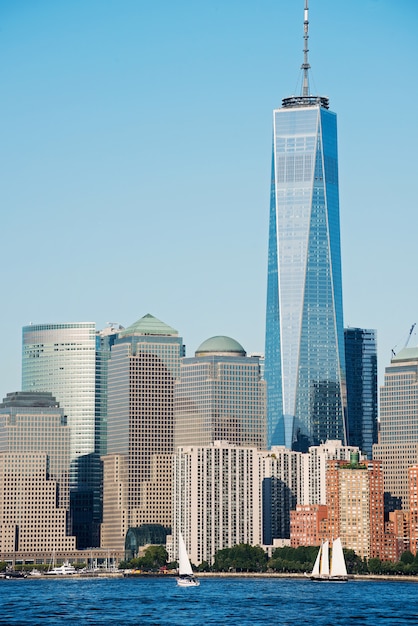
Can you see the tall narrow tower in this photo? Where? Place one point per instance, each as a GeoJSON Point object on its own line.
{"type": "Point", "coordinates": [304, 358]}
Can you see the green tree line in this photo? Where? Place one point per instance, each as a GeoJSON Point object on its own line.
{"type": "Point", "coordinates": [246, 558]}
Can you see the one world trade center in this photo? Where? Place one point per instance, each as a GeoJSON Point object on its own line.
{"type": "Point", "coordinates": [304, 356]}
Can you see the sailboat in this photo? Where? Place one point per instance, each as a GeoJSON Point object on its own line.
{"type": "Point", "coordinates": [323, 571]}
{"type": "Point", "coordinates": [186, 578]}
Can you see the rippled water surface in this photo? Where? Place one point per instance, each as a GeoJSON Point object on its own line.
{"type": "Point", "coordinates": [216, 601]}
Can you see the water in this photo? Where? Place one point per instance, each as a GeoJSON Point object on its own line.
{"type": "Point", "coordinates": [217, 601]}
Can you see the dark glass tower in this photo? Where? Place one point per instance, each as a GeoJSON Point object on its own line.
{"type": "Point", "coordinates": [361, 362]}
{"type": "Point", "coordinates": [304, 359]}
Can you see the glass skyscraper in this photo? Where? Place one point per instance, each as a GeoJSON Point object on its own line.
{"type": "Point", "coordinates": [304, 358]}
{"type": "Point", "coordinates": [61, 359]}
{"type": "Point", "coordinates": [361, 363]}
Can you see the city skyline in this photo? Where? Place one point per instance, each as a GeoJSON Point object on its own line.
{"type": "Point", "coordinates": [92, 120]}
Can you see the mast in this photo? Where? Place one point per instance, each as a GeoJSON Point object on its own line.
{"type": "Point", "coordinates": [305, 65]}
{"type": "Point", "coordinates": [305, 99]}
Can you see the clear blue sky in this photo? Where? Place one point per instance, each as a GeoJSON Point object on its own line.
{"type": "Point", "coordinates": [136, 150]}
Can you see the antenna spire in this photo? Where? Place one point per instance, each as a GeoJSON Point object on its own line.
{"type": "Point", "coordinates": [305, 65]}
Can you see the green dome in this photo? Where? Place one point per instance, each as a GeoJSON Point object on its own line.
{"type": "Point", "coordinates": [148, 325]}
{"type": "Point", "coordinates": [224, 346]}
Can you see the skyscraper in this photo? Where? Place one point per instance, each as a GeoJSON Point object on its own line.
{"type": "Point", "coordinates": [32, 422]}
{"type": "Point", "coordinates": [220, 395]}
{"type": "Point", "coordinates": [398, 433]}
{"type": "Point", "coordinates": [61, 359]}
{"type": "Point", "coordinates": [34, 466]}
{"type": "Point", "coordinates": [304, 355]}
{"type": "Point", "coordinates": [361, 364]}
{"type": "Point", "coordinates": [217, 496]}
{"type": "Point", "coordinates": [144, 364]}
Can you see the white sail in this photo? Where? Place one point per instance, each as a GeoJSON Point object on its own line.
{"type": "Point", "coordinates": [338, 567]}
{"type": "Point", "coordinates": [315, 571]}
{"type": "Point", "coordinates": [185, 569]}
{"type": "Point", "coordinates": [325, 559]}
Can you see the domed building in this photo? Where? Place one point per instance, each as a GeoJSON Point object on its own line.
{"type": "Point", "coordinates": [220, 396]}
{"type": "Point", "coordinates": [222, 346]}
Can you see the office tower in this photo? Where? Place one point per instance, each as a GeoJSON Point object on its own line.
{"type": "Point", "coordinates": [217, 498]}
{"type": "Point", "coordinates": [361, 370]}
{"type": "Point", "coordinates": [304, 354]}
{"type": "Point", "coordinates": [104, 341]}
{"type": "Point", "coordinates": [397, 445]}
{"type": "Point", "coordinates": [143, 367]}
{"type": "Point", "coordinates": [355, 506]}
{"type": "Point", "coordinates": [115, 501]}
{"type": "Point", "coordinates": [34, 422]}
{"type": "Point", "coordinates": [220, 395]}
{"type": "Point", "coordinates": [281, 476]}
{"type": "Point", "coordinates": [34, 466]}
{"type": "Point", "coordinates": [61, 359]}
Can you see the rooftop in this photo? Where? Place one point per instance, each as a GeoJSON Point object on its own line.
{"type": "Point", "coordinates": [220, 345]}
{"type": "Point", "coordinates": [148, 325]}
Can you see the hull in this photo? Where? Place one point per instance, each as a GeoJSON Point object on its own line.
{"type": "Point", "coordinates": [329, 579]}
{"type": "Point", "coordinates": [188, 582]}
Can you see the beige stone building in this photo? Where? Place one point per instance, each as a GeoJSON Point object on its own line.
{"type": "Point", "coordinates": [220, 396]}
{"type": "Point", "coordinates": [397, 445]}
{"type": "Point", "coordinates": [34, 469]}
{"type": "Point", "coordinates": [144, 364]}
{"type": "Point", "coordinates": [30, 520]}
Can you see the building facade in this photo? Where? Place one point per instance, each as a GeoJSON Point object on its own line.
{"type": "Point", "coordinates": [282, 489]}
{"type": "Point", "coordinates": [355, 506]}
{"type": "Point", "coordinates": [217, 498]}
{"type": "Point", "coordinates": [30, 520]}
{"type": "Point", "coordinates": [307, 524]}
{"type": "Point", "coordinates": [34, 481]}
{"type": "Point", "coordinates": [397, 446]}
{"type": "Point", "coordinates": [61, 359]}
{"type": "Point", "coordinates": [361, 368]}
{"type": "Point", "coordinates": [33, 422]}
{"type": "Point", "coordinates": [142, 370]}
{"type": "Point", "coordinates": [413, 508]}
{"type": "Point", "coordinates": [220, 395]}
{"type": "Point", "coordinates": [304, 352]}
{"type": "Point", "coordinates": [315, 463]}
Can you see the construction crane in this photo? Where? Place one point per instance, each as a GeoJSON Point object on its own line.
{"type": "Point", "coordinates": [411, 330]}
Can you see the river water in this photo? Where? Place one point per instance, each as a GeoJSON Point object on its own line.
{"type": "Point", "coordinates": [242, 601]}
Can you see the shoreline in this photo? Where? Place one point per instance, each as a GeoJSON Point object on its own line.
{"type": "Point", "coordinates": [374, 577]}
{"type": "Point", "coordinates": [352, 577]}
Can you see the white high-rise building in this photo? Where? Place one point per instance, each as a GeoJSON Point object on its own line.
{"type": "Point", "coordinates": [217, 498]}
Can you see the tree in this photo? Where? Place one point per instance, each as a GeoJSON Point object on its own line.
{"type": "Point", "coordinates": [154, 558]}
{"type": "Point", "coordinates": [204, 567]}
{"type": "Point", "coordinates": [375, 566]}
{"type": "Point", "coordinates": [241, 558]}
{"type": "Point", "coordinates": [407, 557]}
{"type": "Point", "coordinates": [355, 565]}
